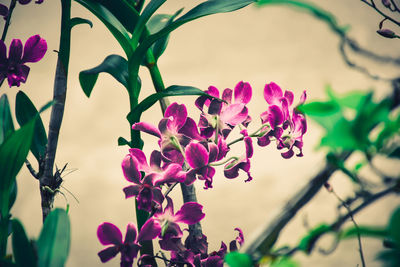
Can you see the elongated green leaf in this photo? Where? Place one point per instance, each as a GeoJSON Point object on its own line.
{"type": "Point", "coordinates": [25, 111]}
{"type": "Point", "coordinates": [236, 259]}
{"type": "Point", "coordinates": [395, 153]}
{"type": "Point", "coordinates": [114, 65]}
{"type": "Point", "coordinates": [13, 153]}
{"type": "Point", "coordinates": [6, 123]}
{"type": "Point", "coordinates": [24, 254]}
{"type": "Point", "coordinates": [111, 22]}
{"type": "Point", "coordinates": [394, 226]}
{"type": "Point", "coordinates": [284, 262]}
{"type": "Point", "coordinates": [318, 108]}
{"type": "Point", "coordinates": [76, 21]}
{"type": "Point", "coordinates": [363, 230]}
{"type": "Point", "coordinates": [13, 194]}
{"type": "Point", "coordinates": [340, 137]}
{"type": "Point", "coordinates": [148, 11]}
{"type": "Point", "coordinates": [313, 9]}
{"type": "Point", "coordinates": [174, 90]}
{"type": "Point", "coordinates": [7, 263]}
{"type": "Point", "coordinates": [306, 241]}
{"type": "Point", "coordinates": [54, 240]}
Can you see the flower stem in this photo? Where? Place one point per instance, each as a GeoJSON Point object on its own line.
{"type": "Point", "coordinates": [254, 134]}
{"type": "Point", "coordinates": [10, 11]}
{"type": "Point", "coordinates": [60, 90]}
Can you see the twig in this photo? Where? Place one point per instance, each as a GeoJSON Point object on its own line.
{"type": "Point", "coordinates": [372, 4]}
{"type": "Point", "coordinates": [10, 11]}
{"type": "Point", "coordinates": [31, 169]}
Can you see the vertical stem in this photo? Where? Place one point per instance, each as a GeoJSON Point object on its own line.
{"type": "Point", "coordinates": [10, 11]}
{"type": "Point", "coordinates": [57, 111]}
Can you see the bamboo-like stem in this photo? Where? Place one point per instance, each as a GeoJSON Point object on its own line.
{"type": "Point", "coordinates": [60, 90]}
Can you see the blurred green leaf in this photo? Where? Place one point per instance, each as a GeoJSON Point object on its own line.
{"type": "Point", "coordinates": [114, 65]}
{"type": "Point", "coordinates": [340, 137]}
{"type": "Point", "coordinates": [395, 153]}
{"type": "Point", "coordinates": [110, 21]}
{"type": "Point", "coordinates": [7, 263]}
{"type": "Point", "coordinates": [54, 240]}
{"type": "Point", "coordinates": [13, 152]}
{"type": "Point", "coordinates": [306, 242]}
{"type": "Point", "coordinates": [284, 262]}
{"type": "Point", "coordinates": [13, 194]}
{"type": "Point", "coordinates": [76, 21]}
{"type": "Point", "coordinates": [319, 13]}
{"type": "Point", "coordinates": [363, 230]}
{"type": "Point", "coordinates": [389, 258]}
{"type": "Point", "coordinates": [25, 111]}
{"type": "Point", "coordinates": [236, 259]}
{"type": "Point", "coordinates": [7, 126]}
{"type": "Point", "coordinates": [394, 226]}
{"type": "Point", "coordinates": [174, 90]}
{"type": "Point", "coordinates": [318, 108]}
{"type": "Point", "coordinates": [23, 252]}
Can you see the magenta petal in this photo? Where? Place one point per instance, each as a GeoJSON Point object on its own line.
{"type": "Point", "coordinates": [289, 96]}
{"type": "Point", "coordinates": [243, 93]}
{"type": "Point", "coordinates": [131, 191]}
{"type": "Point", "coordinates": [213, 152]}
{"type": "Point", "coordinates": [3, 11]}
{"type": "Point", "coordinates": [171, 174]}
{"type": "Point", "coordinates": [213, 91]}
{"type": "Point", "coordinates": [303, 97]}
{"type": "Point", "coordinates": [109, 234]}
{"type": "Point", "coordinates": [234, 114]}
{"type": "Point", "coordinates": [147, 128]}
{"type": "Point", "coordinates": [130, 169]}
{"type": "Point", "coordinates": [190, 129]}
{"type": "Point", "coordinates": [141, 159]}
{"type": "Point", "coordinates": [155, 159]}
{"type": "Point", "coordinates": [150, 230]}
{"type": "Point", "coordinates": [196, 155]}
{"type": "Point", "coordinates": [145, 197]}
{"type": "Point", "coordinates": [24, 71]}
{"type": "Point", "coordinates": [249, 146]}
{"type": "Point", "coordinates": [272, 93]}
{"type": "Point", "coordinates": [108, 253]}
{"type": "Point", "coordinates": [190, 213]}
{"type": "Point", "coordinates": [158, 195]}
{"type": "Point", "coordinates": [34, 50]}
{"type": "Point", "coordinates": [177, 115]}
{"type": "Point", "coordinates": [275, 116]}
{"type": "Point", "coordinates": [172, 244]}
{"type": "Point", "coordinates": [288, 154]}
{"type": "Point", "coordinates": [130, 236]}
{"type": "Point", "coordinates": [215, 107]}
{"type": "Point", "coordinates": [15, 52]}
{"type": "Point", "coordinates": [173, 231]}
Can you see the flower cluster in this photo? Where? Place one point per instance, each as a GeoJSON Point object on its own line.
{"type": "Point", "coordinates": [190, 151]}
{"type": "Point", "coordinates": [13, 68]}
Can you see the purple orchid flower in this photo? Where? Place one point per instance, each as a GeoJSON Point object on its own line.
{"type": "Point", "coordinates": [199, 156]}
{"type": "Point", "coordinates": [165, 224]}
{"type": "Point", "coordinates": [294, 138]}
{"type": "Point", "coordinates": [109, 234]}
{"type": "Point", "coordinates": [175, 131]}
{"type": "Point", "coordinates": [147, 191]}
{"type": "Point", "coordinates": [25, 2]}
{"type": "Point", "coordinates": [3, 11]}
{"type": "Point", "coordinates": [231, 169]}
{"type": "Point", "coordinates": [223, 116]}
{"type": "Point", "coordinates": [13, 68]}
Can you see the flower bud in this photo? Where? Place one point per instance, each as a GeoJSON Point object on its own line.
{"type": "Point", "coordinates": [386, 33]}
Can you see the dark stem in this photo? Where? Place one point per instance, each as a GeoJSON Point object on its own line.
{"type": "Point", "coordinates": [372, 4]}
{"type": "Point", "coordinates": [60, 90]}
{"type": "Point", "coordinates": [10, 11]}
{"type": "Point", "coordinates": [31, 169]}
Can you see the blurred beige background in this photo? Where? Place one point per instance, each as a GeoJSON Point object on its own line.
{"type": "Point", "coordinates": [258, 45]}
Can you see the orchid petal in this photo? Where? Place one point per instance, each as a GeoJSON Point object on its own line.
{"type": "Point", "coordinates": [196, 155]}
{"type": "Point", "coordinates": [289, 96]}
{"type": "Point", "coordinates": [141, 159]}
{"type": "Point", "coordinates": [158, 196]}
{"type": "Point", "coordinates": [130, 236]}
{"type": "Point", "coordinates": [131, 191]}
{"type": "Point", "coordinates": [108, 253]}
{"type": "Point", "coordinates": [227, 95]}
{"type": "Point", "coordinates": [150, 230]}
{"type": "Point", "coordinates": [144, 198]}
{"type": "Point", "coordinates": [34, 50]}
{"type": "Point", "coordinates": [15, 52]}
{"type": "Point", "coordinates": [272, 93]}
{"type": "Point", "coordinates": [242, 93]}
{"type": "Point", "coordinates": [190, 213]}
{"type": "Point", "coordinates": [190, 129]}
{"type": "Point", "coordinates": [275, 116]}
{"type": "Point", "coordinates": [109, 234]}
{"type": "Point", "coordinates": [3, 53]}
{"type": "Point", "coordinates": [177, 115]}
{"type": "Point", "coordinates": [147, 128]}
{"type": "Point", "coordinates": [234, 114]}
{"type": "Point", "coordinates": [130, 169]}
{"type": "Point", "coordinates": [155, 160]}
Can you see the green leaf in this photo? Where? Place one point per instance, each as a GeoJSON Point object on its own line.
{"type": "Point", "coordinates": [340, 136]}
{"type": "Point", "coordinates": [174, 90]}
{"type": "Point", "coordinates": [236, 259]}
{"type": "Point", "coordinates": [54, 240]}
{"type": "Point", "coordinates": [122, 142]}
{"type": "Point", "coordinates": [148, 11]}
{"type": "Point", "coordinates": [284, 262]}
{"type": "Point", "coordinates": [111, 22]}
{"type": "Point", "coordinates": [395, 153]}
{"type": "Point", "coordinates": [363, 230]}
{"type": "Point", "coordinates": [25, 111]}
{"type": "Point", "coordinates": [317, 108]}
{"type": "Point", "coordinates": [7, 263]}
{"type": "Point", "coordinates": [76, 21]}
{"type": "Point", "coordinates": [114, 65]}
{"type": "Point", "coordinates": [6, 123]}
{"type": "Point", "coordinates": [314, 10]}
{"type": "Point", "coordinates": [313, 234]}
{"type": "Point", "coordinates": [13, 153]}
{"type": "Point", "coordinates": [389, 258]}
{"type": "Point", "coordinates": [394, 226]}
{"type": "Point", "coordinates": [13, 194]}
{"type": "Point", "coordinates": [23, 252]}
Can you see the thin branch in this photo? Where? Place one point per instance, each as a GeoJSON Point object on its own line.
{"type": "Point", "coordinates": [372, 4]}
{"type": "Point", "coordinates": [31, 169]}
{"type": "Point", "coordinates": [10, 11]}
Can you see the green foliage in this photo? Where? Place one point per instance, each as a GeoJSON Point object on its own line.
{"type": "Point", "coordinates": [54, 240]}
{"type": "Point", "coordinates": [173, 90]}
{"type": "Point", "coordinates": [110, 21]}
{"type": "Point", "coordinates": [76, 21]}
{"type": "Point", "coordinates": [284, 262]}
{"type": "Point", "coordinates": [23, 252]}
{"type": "Point", "coordinates": [318, 108]}
{"type": "Point", "coordinates": [307, 241]}
{"type": "Point", "coordinates": [236, 259]}
{"type": "Point", "coordinates": [6, 123]}
{"type": "Point", "coordinates": [25, 111]}
{"type": "Point", "coordinates": [319, 13]}
{"type": "Point", "coordinates": [114, 65]}
{"type": "Point", "coordinates": [363, 230]}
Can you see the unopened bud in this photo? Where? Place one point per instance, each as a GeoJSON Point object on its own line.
{"type": "Point", "coordinates": [328, 187]}
{"type": "Point", "coordinates": [386, 33]}
{"type": "Point", "coordinates": [386, 3]}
